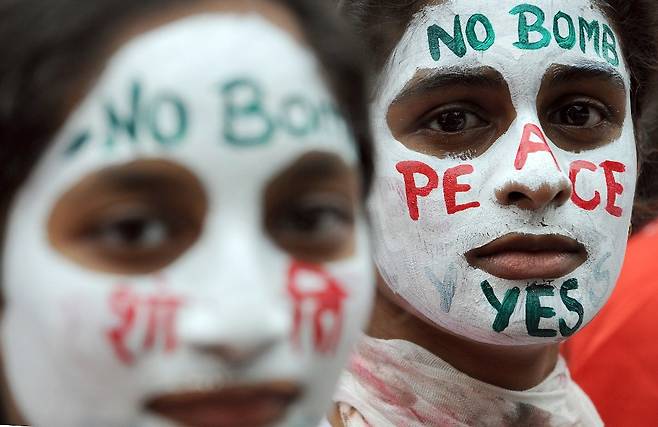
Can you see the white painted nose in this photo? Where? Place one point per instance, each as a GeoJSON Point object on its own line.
{"type": "Point", "coordinates": [537, 181]}
{"type": "Point", "coordinates": [236, 331]}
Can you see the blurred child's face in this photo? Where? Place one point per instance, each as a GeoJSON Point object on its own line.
{"type": "Point", "coordinates": [507, 168]}
{"type": "Point", "coordinates": [191, 248]}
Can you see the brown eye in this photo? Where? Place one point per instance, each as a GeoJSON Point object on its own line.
{"type": "Point", "coordinates": [455, 121]}
{"type": "Point", "coordinates": [311, 208]}
{"type": "Point", "coordinates": [315, 225]}
{"type": "Point", "coordinates": [134, 232]}
{"type": "Point", "coordinates": [579, 115]}
{"type": "Point", "coordinates": [135, 218]}
{"type": "Point", "coordinates": [319, 217]}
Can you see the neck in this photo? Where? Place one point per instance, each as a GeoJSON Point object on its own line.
{"type": "Point", "coordinates": [512, 368]}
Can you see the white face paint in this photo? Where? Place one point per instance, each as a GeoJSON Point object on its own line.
{"type": "Point", "coordinates": [85, 347]}
{"type": "Point", "coordinates": [423, 260]}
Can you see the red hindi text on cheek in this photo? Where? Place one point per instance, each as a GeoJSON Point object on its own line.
{"type": "Point", "coordinates": [146, 319]}
{"type": "Point", "coordinates": [325, 297]}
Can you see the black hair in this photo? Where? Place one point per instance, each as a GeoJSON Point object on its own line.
{"type": "Point", "coordinates": [52, 51]}
{"type": "Point", "coordinates": [381, 24]}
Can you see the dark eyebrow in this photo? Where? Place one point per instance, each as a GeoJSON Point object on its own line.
{"type": "Point", "coordinates": [317, 165]}
{"type": "Point", "coordinates": [558, 74]}
{"type": "Point", "coordinates": [127, 180]}
{"type": "Point", "coordinates": [310, 170]}
{"type": "Point", "coordinates": [431, 80]}
{"type": "Point", "coordinates": [138, 176]}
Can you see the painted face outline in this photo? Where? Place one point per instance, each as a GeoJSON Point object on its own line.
{"type": "Point", "coordinates": [413, 174]}
{"type": "Point", "coordinates": [136, 375]}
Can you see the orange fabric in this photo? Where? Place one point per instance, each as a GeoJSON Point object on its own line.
{"type": "Point", "coordinates": [615, 358]}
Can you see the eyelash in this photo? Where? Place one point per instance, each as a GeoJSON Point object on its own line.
{"type": "Point", "coordinates": [427, 118]}
{"type": "Point", "coordinates": [605, 110]}
{"type": "Point", "coordinates": [423, 124]}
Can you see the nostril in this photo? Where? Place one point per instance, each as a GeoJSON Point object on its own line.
{"type": "Point", "coordinates": [554, 192]}
{"type": "Point", "coordinates": [237, 354]}
{"type": "Point", "coordinates": [562, 197]}
{"type": "Point", "coordinates": [515, 197]}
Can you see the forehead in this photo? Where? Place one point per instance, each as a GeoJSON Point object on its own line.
{"type": "Point", "coordinates": [197, 52]}
{"type": "Point", "coordinates": [519, 40]}
{"type": "Point", "coordinates": [206, 91]}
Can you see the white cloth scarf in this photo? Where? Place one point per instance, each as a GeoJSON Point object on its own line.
{"type": "Point", "coordinates": [397, 383]}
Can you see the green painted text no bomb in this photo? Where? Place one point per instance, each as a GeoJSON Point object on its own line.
{"type": "Point", "coordinates": [567, 31]}
{"type": "Point", "coordinates": [246, 118]}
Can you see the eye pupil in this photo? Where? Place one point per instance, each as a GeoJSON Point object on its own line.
{"type": "Point", "coordinates": [453, 121]}
{"type": "Point", "coordinates": [135, 232]}
{"type": "Point", "coordinates": [307, 220]}
{"type": "Point", "coordinates": [132, 230]}
{"type": "Point", "coordinates": [576, 115]}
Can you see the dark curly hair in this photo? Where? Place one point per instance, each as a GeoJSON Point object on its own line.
{"type": "Point", "coordinates": [381, 24]}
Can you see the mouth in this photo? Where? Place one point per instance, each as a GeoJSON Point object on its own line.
{"type": "Point", "coordinates": [527, 256]}
{"type": "Point", "coordinates": [245, 406]}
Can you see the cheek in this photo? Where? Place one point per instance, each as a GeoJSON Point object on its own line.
{"type": "Point", "coordinates": [331, 303]}
{"type": "Point", "coordinates": [602, 188]}
{"type": "Point", "coordinates": [61, 321]}
{"type": "Point", "coordinates": [602, 202]}
{"type": "Point", "coordinates": [96, 324]}
{"type": "Point", "coordinates": [319, 299]}
{"type": "Point", "coordinates": [143, 322]}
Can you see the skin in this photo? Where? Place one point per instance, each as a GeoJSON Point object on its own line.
{"type": "Point", "coordinates": [467, 115]}
{"type": "Point", "coordinates": [517, 368]}
{"type": "Point", "coordinates": [431, 116]}
{"type": "Point", "coordinates": [104, 221]}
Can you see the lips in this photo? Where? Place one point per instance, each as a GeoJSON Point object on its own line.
{"type": "Point", "coordinates": [526, 257]}
{"type": "Point", "coordinates": [248, 406]}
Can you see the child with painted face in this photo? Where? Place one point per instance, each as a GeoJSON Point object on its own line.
{"type": "Point", "coordinates": [504, 186]}
{"type": "Point", "coordinates": [184, 242]}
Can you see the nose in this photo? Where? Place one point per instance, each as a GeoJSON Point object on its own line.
{"type": "Point", "coordinates": [237, 333]}
{"type": "Point", "coordinates": [239, 312]}
{"type": "Point", "coordinates": [536, 181]}
{"type": "Point", "coordinates": [519, 194]}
